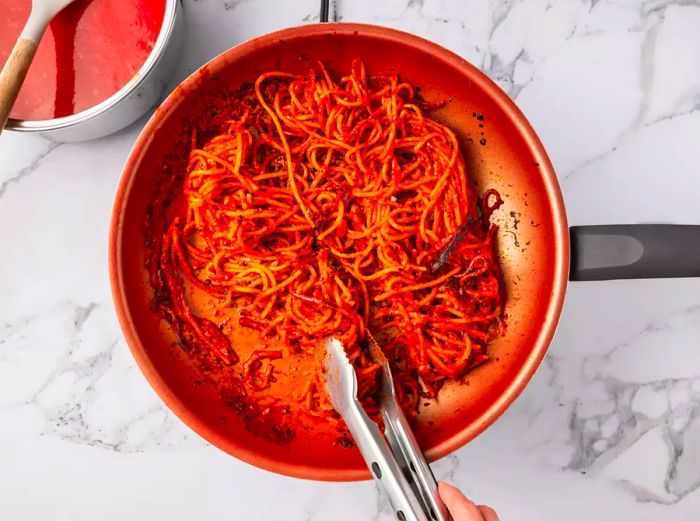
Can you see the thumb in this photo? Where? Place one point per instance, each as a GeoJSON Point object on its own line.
{"type": "Point", "coordinates": [460, 508]}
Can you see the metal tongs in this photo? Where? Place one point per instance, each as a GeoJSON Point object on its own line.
{"type": "Point", "coordinates": [398, 466]}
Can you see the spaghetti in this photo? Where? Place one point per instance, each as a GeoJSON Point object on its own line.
{"type": "Point", "coordinates": [330, 207]}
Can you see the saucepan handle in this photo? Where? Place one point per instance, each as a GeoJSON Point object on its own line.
{"type": "Point", "coordinates": [634, 251]}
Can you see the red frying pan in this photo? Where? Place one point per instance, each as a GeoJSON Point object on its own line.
{"type": "Point", "coordinates": [539, 253]}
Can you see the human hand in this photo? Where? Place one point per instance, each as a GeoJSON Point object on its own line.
{"type": "Point", "coordinates": [461, 508]}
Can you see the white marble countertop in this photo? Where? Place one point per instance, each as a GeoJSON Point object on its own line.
{"type": "Point", "coordinates": [609, 429]}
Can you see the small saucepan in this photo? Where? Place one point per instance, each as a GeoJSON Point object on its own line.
{"type": "Point", "coordinates": [128, 103]}
{"type": "Point", "coordinates": [538, 251]}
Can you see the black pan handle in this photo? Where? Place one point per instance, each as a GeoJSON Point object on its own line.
{"type": "Point", "coordinates": [634, 251]}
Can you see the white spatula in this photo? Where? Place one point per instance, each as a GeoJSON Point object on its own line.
{"type": "Point", "coordinates": [15, 69]}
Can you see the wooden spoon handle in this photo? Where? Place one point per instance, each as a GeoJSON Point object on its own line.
{"type": "Point", "coordinates": [13, 74]}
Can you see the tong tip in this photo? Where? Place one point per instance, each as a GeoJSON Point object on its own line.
{"type": "Point", "coordinates": [378, 356]}
{"type": "Point", "coordinates": [338, 373]}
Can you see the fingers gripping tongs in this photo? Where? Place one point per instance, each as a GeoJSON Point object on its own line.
{"type": "Point", "coordinates": [399, 465]}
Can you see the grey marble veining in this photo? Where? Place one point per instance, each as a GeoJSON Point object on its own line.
{"type": "Point", "coordinates": [609, 427]}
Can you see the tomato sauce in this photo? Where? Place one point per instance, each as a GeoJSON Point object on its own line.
{"type": "Point", "coordinates": [89, 51]}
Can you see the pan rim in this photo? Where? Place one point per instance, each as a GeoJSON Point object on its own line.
{"type": "Point", "coordinates": [505, 104]}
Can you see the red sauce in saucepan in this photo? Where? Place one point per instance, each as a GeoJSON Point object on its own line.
{"type": "Point", "coordinates": [89, 51]}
